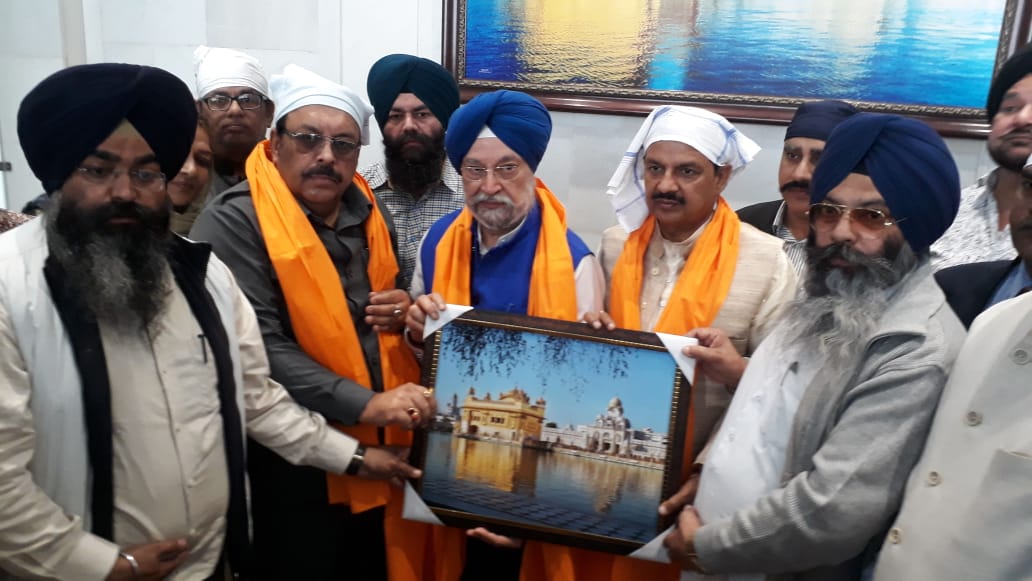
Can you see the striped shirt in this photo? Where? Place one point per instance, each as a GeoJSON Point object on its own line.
{"type": "Point", "coordinates": [795, 249]}
{"type": "Point", "coordinates": [414, 216]}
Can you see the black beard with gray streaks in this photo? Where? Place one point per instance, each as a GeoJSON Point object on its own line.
{"type": "Point", "coordinates": [841, 307]}
{"type": "Point", "coordinates": [118, 272]}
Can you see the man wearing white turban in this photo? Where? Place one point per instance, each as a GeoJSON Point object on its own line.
{"type": "Point", "coordinates": [233, 102]}
{"type": "Point", "coordinates": [315, 254]}
{"type": "Point", "coordinates": [680, 260]}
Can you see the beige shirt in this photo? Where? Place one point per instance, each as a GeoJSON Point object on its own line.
{"type": "Point", "coordinates": [170, 469]}
{"type": "Point", "coordinates": [763, 281]}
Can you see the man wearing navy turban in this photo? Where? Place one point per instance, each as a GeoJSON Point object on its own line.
{"type": "Point", "coordinates": [413, 98]}
{"type": "Point", "coordinates": [508, 250]}
{"type": "Point", "coordinates": [805, 137]}
{"type": "Point", "coordinates": [981, 231]}
{"type": "Point", "coordinates": [830, 413]}
{"type": "Point", "coordinates": [131, 364]}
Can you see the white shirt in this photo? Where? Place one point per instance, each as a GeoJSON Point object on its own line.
{"type": "Point", "coordinates": [169, 467]}
{"type": "Point", "coordinates": [747, 457]}
{"type": "Point", "coordinates": [975, 235]}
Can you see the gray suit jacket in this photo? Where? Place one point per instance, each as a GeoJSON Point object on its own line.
{"type": "Point", "coordinates": [856, 436]}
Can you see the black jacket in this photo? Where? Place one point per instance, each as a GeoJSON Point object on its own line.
{"type": "Point", "coordinates": [968, 287]}
{"type": "Point", "coordinates": [761, 215]}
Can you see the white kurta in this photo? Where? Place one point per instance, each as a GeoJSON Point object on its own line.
{"type": "Point", "coordinates": [967, 510]}
{"type": "Point", "coordinates": [747, 457]}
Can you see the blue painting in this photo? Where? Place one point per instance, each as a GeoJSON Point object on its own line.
{"type": "Point", "coordinates": [924, 53]}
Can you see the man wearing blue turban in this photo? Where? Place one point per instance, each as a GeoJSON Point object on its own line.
{"type": "Point", "coordinates": [413, 98]}
{"type": "Point", "coordinates": [508, 250]}
{"type": "Point", "coordinates": [805, 137]}
{"type": "Point", "coordinates": [830, 414]}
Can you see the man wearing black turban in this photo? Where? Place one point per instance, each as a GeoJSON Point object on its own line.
{"type": "Point", "coordinates": [131, 365]}
{"type": "Point", "coordinates": [805, 137]}
{"type": "Point", "coordinates": [981, 232]}
{"type": "Point", "coordinates": [830, 413]}
{"type": "Point", "coordinates": [413, 99]}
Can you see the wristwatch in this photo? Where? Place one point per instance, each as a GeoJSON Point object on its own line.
{"type": "Point", "coordinates": [357, 459]}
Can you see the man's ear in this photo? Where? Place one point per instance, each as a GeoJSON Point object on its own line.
{"type": "Point", "coordinates": [270, 112]}
{"type": "Point", "coordinates": [723, 176]}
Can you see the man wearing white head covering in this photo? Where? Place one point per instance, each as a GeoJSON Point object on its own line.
{"type": "Point", "coordinates": [233, 102]}
{"type": "Point", "coordinates": [680, 259]}
{"type": "Point", "coordinates": [314, 253]}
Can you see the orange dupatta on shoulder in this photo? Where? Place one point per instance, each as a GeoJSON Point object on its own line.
{"type": "Point", "coordinates": [322, 323]}
{"type": "Point", "coordinates": [552, 275]}
{"type": "Point", "coordinates": [697, 297]}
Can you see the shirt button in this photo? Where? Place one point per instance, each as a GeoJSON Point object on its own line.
{"type": "Point", "coordinates": [655, 272]}
{"type": "Point", "coordinates": [895, 536]}
{"type": "Point", "coordinates": [934, 479]}
{"type": "Point", "coordinates": [973, 418]}
{"type": "Point", "coordinates": [1020, 356]}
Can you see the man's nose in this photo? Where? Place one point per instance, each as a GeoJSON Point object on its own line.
{"type": "Point", "coordinates": [843, 230]}
{"type": "Point", "coordinates": [122, 188]}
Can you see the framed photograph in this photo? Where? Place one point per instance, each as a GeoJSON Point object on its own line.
{"type": "Point", "coordinates": [551, 430]}
{"type": "Point", "coordinates": [750, 61]}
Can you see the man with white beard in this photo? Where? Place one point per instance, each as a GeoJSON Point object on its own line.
{"type": "Point", "coordinates": [131, 364]}
{"type": "Point", "coordinates": [830, 414]}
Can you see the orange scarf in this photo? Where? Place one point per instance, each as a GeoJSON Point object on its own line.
{"type": "Point", "coordinates": [695, 301]}
{"type": "Point", "coordinates": [322, 324]}
{"type": "Point", "coordinates": [552, 275]}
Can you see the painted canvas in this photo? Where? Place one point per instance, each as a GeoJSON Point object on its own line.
{"type": "Point", "coordinates": [917, 56]}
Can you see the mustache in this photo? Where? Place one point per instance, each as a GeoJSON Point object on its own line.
{"type": "Point", "coordinates": [495, 199]}
{"type": "Point", "coordinates": [323, 170]}
{"type": "Point", "coordinates": [670, 196]}
{"type": "Point", "coordinates": [796, 184]}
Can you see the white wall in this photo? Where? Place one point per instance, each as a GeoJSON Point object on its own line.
{"type": "Point", "coordinates": [339, 40]}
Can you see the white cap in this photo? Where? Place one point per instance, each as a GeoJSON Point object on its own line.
{"type": "Point", "coordinates": [710, 134]}
{"type": "Point", "coordinates": [298, 87]}
{"type": "Point", "coordinates": [218, 68]}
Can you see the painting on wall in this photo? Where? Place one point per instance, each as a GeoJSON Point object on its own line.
{"type": "Point", "coordinates": [751, 60]}
{"type": "Point", "coordinates": [552, 430]}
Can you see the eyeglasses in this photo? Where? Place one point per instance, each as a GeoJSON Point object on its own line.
{"type": "Point", "coordinates": [141, 179]}
{"type": "Point", "coordinates": [504, 172]}
{"type": "Point", "coordinates": [307, 142]}
{"type": "Point", "coordinates": [247, 101]}
{"type": "Point", "coordinates": [825, 217]}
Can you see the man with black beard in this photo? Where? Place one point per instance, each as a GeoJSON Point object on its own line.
{"type": "Point", "coordinates": [805, 137]}
{"type": "Point", "coordinates": [981, 231]}
{"type": "Point", "coordinates": [413, 99]}
{"type": "Point", "coordinates": [131, 364]}
{"type": "Point", "coordinates": [831, 412]}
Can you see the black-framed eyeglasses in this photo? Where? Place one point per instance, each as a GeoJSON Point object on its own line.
{"type": "Point", "coordinates": [308, 142]}
{"type": "Point", "coordinates": [141, 179]}
{"type": "Point", "coordinates": [504, 172]}
{"type": "Point", "coordinates": [247, 101]}
{"type": "Point", "coordinates": [824, 217]}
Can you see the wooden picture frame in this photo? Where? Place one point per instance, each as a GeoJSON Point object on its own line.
{"type": "Point", "coordinates": [605, 57]}
{"type": "Point", "coordinates": [551, 430]}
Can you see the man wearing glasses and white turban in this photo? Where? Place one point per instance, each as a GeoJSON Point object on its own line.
{"type": "Point", "coordinates": [808, 467]}
{"type": "Point", "coordinates": [315, 253]}
{"type": "Point", "coordinates": [233, 103]}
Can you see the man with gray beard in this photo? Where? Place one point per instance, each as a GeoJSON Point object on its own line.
{"type": "Point", "coordinates": [831, 412]}
{"type": "Point", "coordinates": [131, 364]}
